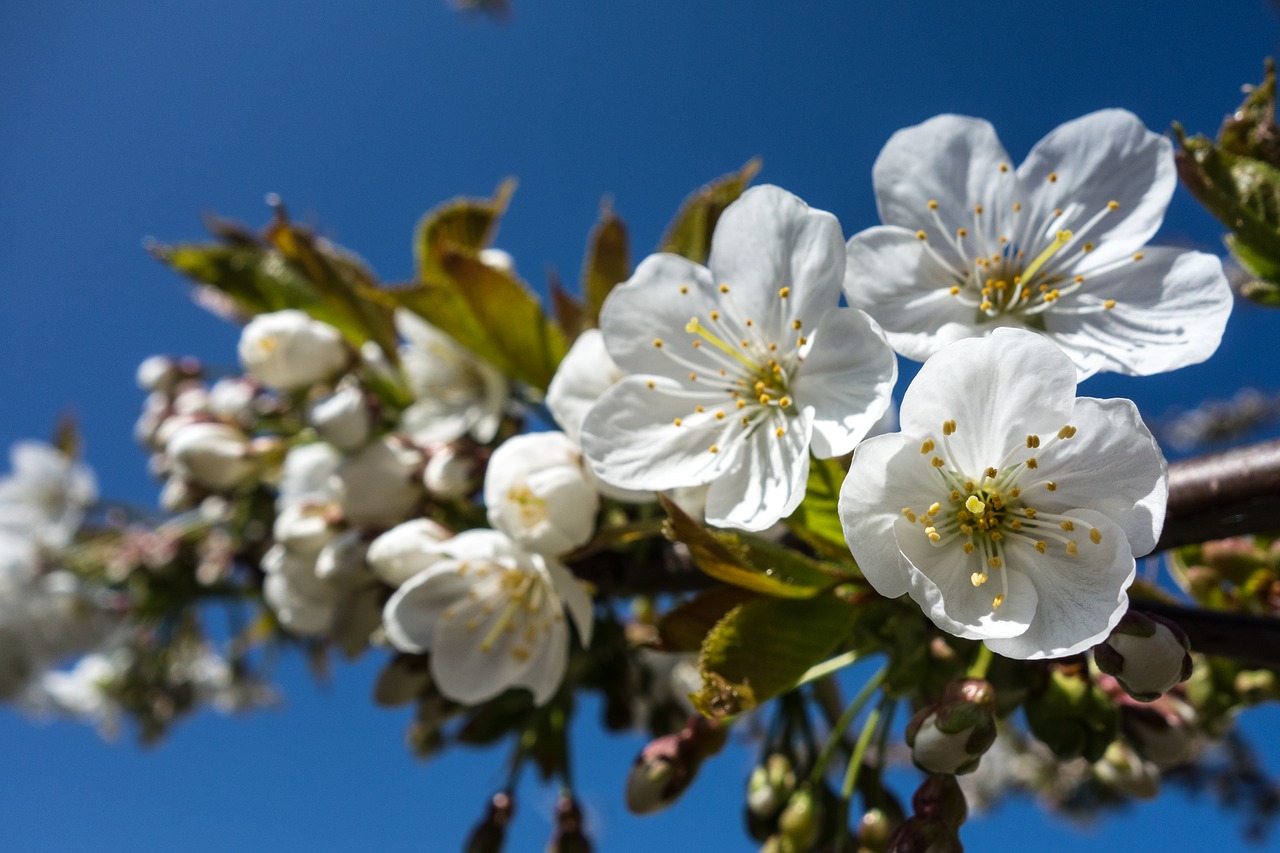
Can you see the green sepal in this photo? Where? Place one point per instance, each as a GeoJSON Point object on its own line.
{"type": "Point", "coordinates": [763, 647]}
{"type": "Point", "coordinates": [607, 263]}
{"type": "Point", "coordinates": [689, 234]}
{"type": "Point", "coordinates": [748, 562]}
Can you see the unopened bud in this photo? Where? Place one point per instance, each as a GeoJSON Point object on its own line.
{"type": "Point", "coordinates": [770, 786]}
{"type": "Point", "coordinates": [406, 549]}
{"type": "Point", "coordinates": [490, 834]}
{"type": "Point", "coordinates": [158, 373]}
{"type": "Point", "coordinates": [952, 736]}
{"type": "Point", "coordinates": [874, 830]}
{"type": "Point", "coordinates": [1147, 655]}
{"type": "Point", "coordinates": [449, 474]}
{"type": "Point", "coordinates": [213, 455]}
{"type": "Point", "coordinates": [801, 819]}
{"type": "Point", "coordinates": [1123, 770]}
{"type": "Point", "coordinates": [288, 350]}
{"type": "Point", "coordinates": [380, 485]}
{"type": "Point", "coordinates": [343, 419]}
{"type": "Point", "coordinates": [569, 835]}
{"type": "Point", "coordinates": [658, 776]}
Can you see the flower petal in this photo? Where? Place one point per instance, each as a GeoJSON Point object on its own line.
{"type": "Point", "coordinates": [845, 382]}
{"type": "Point", "coordinates": [1171, 308]}
{"type": "Point", "coordinates": [954, 160]}
{"type": "Point", "coordinates": [942, 585]}
{"type": "Point", "coordinates": [584, 374]}
{"type": "Point", "coordinates": [767, 482]}
{"type": "Point", "coordinates": [575, 598]}
{"type": "Point", "coordinates": [769, 239]}
{"type": "Point", "coordinates": [1112, 465]}
{"type": "Point", "coordinates": [413, 612]}
{"type": "Point", "coordinates": [655, 304]}
{"type": "Point", "coordinates": [880, 482]}
{"type": "Point", "coordinates": [1102, 157]}
{"type": "Point", "coordinates": [631, 439]}
{"type": "Point", "coordinates": [997, 389]}
{"type": "Point", "coordinates": [1081, 598]}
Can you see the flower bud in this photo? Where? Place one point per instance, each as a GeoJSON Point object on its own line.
{"type": "Point", "coordinates": [1163, 732]}
{"type": "Point", "coordinates": [873, 831]}
{"type": "Point", "coordinates": [303, 528]}
{"type": "Point", "coordinates": [1071, 715]}
{"type": "Point", "coordinates": [158, 373]}
{"type": "Point", "coordinates": [770, 786]}
{"type": "Point", "coordinates": [490, 834]}
{"type": "Point", "coordinates": [341, 562]}
{"type": "Point", "coordinates": [1147, 655]}
{"type": "Point", "coordinates": [939, 798]}
{"type": "Point", "coordinates": [801, 819]}
{"type": "Point", "coordinates": [380, 485]}
{"type": "Point", "coordinates": [231, 399]}
{"type": "Point", "coordinates": [658, 776]}
{"type": "Point", "coordinates": [343, 419]}
{"type": "Point", "coordinates": [568, 836]}
{"type": "Point", "coordinates": [538, 493]}
{"type": "Point", "coordinates": [449, 474]}
{"type": "Point", "coordinates": [213, 455]}
{"type": "Point", "coordinates": [406, 549]}
{"type": "Point", "coordinates": [288, 350]}
{"type": "Point", "coordinates": [1123, 770]}
{"type": "Point", "coordinates": [307, 474]}
{"type": "Point", "coordinates": [952, 736]}
{"type": "Point", "coordinates": [178, 495]}
{"type": "Point", "coordinates": [921, 835]}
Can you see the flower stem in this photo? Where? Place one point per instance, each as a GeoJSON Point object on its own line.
{"type": "Point", "coordinates": [981, 663]}
{"type": "Point", "coordinates": [827, 667]}
{"type": "Point", "coordinates": [837, 730]}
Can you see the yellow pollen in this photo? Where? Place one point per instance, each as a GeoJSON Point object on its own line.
{"type": "Point", "coordinates": [1089, 247]}
{"type": "Point", "coordinates": [1032, 463]}
{"type": "Point", "coordinates": [948, 427]}
{"type": "Point", "coordinates": [801, 341]}
{"type": "Point", "coordinates": [697, 344]}
{"type": "Point", "coordinates": [764, 400]}
{"type": "Point", "coordinates": [996, 536]}
{"type": "Point", "coordinates": [750, 322]}
{"type": "Point", "coordinates": [1057, 212]}
{"type": "Point", "coordinates": [1095, 535]}
{"type": "Point", "coordinates": [715, 448]}
{"type": "Point", "coordinates": [724, 288]}
{"type": "Point", "coordinates": [955, 290]}
{"type": "Point", "coordinates": [1029, 512]}
{"type": "Point", "coordinates": [933, 535]}
{"type": "Point", "coordinates": [1113, 205]}
{"type": "Point", "coordinates": [650, 384]}
{"type": "Point", "coordinates": [991, 473]}
{"type": "Point", "coordinates": [1041, 546]}
{"type": "Point", "coordinates": [1026, 293]}
{"type": "Point", "coordinates": [719, 416]}
{"type": "Point", "coordinates": [745, 420]}
{"type": "Point", "coordinates": [910, 516]}
{"type": "Point", "coordinates": [699, 409]}
{"type": "Point", "coordinates": [1067, 525]}
{"type": "Point", "coordinates": [1017, 207]}
{"type": "Point", "coordinates": [742, 404]}
{"type": "Point", "coordinates": [936, 462]}
{"type": "Point", "coordinates": [927, 446]}
{"type": "Point", "coordinates": [1004, 167]}
{"type": "Point", "coordinates": [657, 342]}
{"type": "Point", "coordinates": [784, 292]}
{"type": "Point", "coordinates": [997, 601]}
{"type": "Point", "coordinates": [684, 288]}
{"type": "Point", "coordinates": [1137, 256]}
{"type": "Point", "coordinates": [968, 547]}
{"type": "Point", "coordinates": [994, 562]}
{"type": "Point", "coordinates": [1033, 441]}
{"type": "Point", "coordinates": [968, 485]}
{"type": "Point", "coordinates": [785, 402]}
{"type": "Point", "coordinates": [933, 204]}
{"type": "Point", "coordinates": [780, 432]}
{"type": "Point", "coordinates": [1015, 525]}
{"type": "Point", "coordinates": [1053, 177]}
{"type": "Point", "coordinates": [955, 496]}
{"type": "Point", "coordinates": [715, 315]}
{"type": "Point", "coordinates": [1051, 486]}
{"type": "Point", "coordinates": [920, 235]}
{"type": "Point", "coordinates": [985, 306]}
{"type": "Point", "coordinates": [978, 578]}
{"type": "Point", "coordinates": [1109, 304]}
{"type": "Point", "coordinates": [1067, 431]}
{"type": "Point", "coordinates": [796, 324]}
{"type": "Point", "coordinates": [1078, 279]}
{"type": "Point", "coordinates": [977, 208]}
{"type": "Point", "coordinates": [677, 421]}
{"type": "Point", "coordinates": [975, 505]}
{"type": "Point", "coordinates": [745, 342]}
{"type": "Point", "coordinates": [934, 508]}
{"type": "Point", "coordinates": [962, 232]}
{"type": "Point", "coordinates": [1072, 550]}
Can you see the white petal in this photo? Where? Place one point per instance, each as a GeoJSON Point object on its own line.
{"type": "Point", "coordinates": [954, 160]}
{"type": "Point", "coordinates": [1081, 598]}
{"type": "Point", "coordinates": [871, 499]}
{"type": "Point", "coordinates": [845, 382]}
{"type": "Point", "coordinates": [1105, 156]}
{"type": "Point", "coordinates": [413, 612]}
{"type": "Point", "coordinates": [586, 372]}
{"type": "Point", "coordinates": [651, 306]}
{"type": "Point", "coordinates": [631, 440]}
{"type": "Point", "coordinates": [768, 480]}
{"type": "Point", "coordinates": [575, 598]}
{"type": "Point", "coordinates": [769, 239]}
{"type": "Point", "coordinates": [1112, 465]}
{"type": "Point", "coordinates": [998, 389]}
{"type": "Point", "coordinates": [1171, 308]}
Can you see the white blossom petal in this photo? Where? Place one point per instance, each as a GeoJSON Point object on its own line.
{"type": "Point", "coordinates": [412, 613]}
{"type": "Point", "coordinates": [766, 483]}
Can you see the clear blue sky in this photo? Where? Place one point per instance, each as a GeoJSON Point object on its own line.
{"type": "Point", "coordinates": [123, 120]}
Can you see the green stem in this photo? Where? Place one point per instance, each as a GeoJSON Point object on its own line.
{"type": "Point", "coordinates": [981, 663]}
{"type": "Point", "coordinates": [827, 667]}
{"type": "Point", "coordinates": [837, 731]}
{"type": "Point", "coordinates": [855, 761]}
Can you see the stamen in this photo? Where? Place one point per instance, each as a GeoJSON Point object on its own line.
{"type": "Point", "coordinates": [1058, 243]}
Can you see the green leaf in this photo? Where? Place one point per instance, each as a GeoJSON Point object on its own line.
{"type": "Point", "coordinates": [689, 234]}
{"type": "Point", "coordinates": [763, 647]}
{"type": "Point", "coordinates": [749, 563]}
{"type": "Point", "coordinates": [817, 519]}
{"type": "Point", "coordinates": [464, 225]}
{"type": "Point", "coordinates": [608, 262]}
{"type": "Point", "coordinates": [684, 627]}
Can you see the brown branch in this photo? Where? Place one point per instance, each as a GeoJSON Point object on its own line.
{"type": "Point", "coordinates": [1224, 494]}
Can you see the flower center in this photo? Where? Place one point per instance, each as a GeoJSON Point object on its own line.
{"type": "Point", "coordinates": [983, 513]}
{"type": "Point", "coordinates": [985, 255]}
{"type": "Point", "coordinates": [522, 595]}
{"type": "Point", "coordinates": [741, 369]}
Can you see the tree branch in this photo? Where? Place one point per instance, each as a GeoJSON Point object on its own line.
{"type": "Point", "coordinates": [1224, 494]}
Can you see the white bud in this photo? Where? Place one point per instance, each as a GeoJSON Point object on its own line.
{"type": "Point", "coordinates": [232, 399]}
{"type": "Point", "coordinates": [299, 613]}
{"type": "Point", "coordinates": [342, 560]}
{"type": "Point", "coordinates": [307, 474]}
{"type": "Point", "coordinates": [406, 549]}
{"type": "Point", "coordinates": [303, 528]}
{"type": "Point", "coordinates": [178, 495]}
{"type": "Point", "coordinates": [157, 373]}
{"type": "Point", "coordinates": [538, 493]}
{"type": "Point", "coordinates": [213, 455]}
{"type": "Point", "coordinates": [449, 473]}
{"type": "Point", "coordinates": [941, 752]}
{"type": "Point", "coordinates": [288, 350]}
{"type": "Point", "coordinates": [380, 486]}
{"type": "Point", "coordinates": [343, 419]}
{"type": "Point", "coordinates": [1152, 665]}
{"type": "Point", "coordinates": [1124, 770]}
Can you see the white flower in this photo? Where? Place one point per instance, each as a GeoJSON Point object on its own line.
{"type": "Point", "coordinates": [492, 617]}
{"type": "Point", "coordinates": [1010, 510]}
{"type": "Point", "coordinates": [737, 371]}
{"type": "Point", "coordinates": [46, 495]}
{"type": "Point", "coordinates": [307, 475]}
{"type": "Point", "coordinates": [970, 245]}
{"type": "Point", "coordinates": [538, 493]}
{"type": "Point", "coordinates": [407, 549]}
{"type": "Point", "coordinates": [288, 350]}
{"type": "Point", "coordinates": [343, 419]}
{"type": "Point", "coordinates": [380, 485]}
{"type": "Point", "coordinates": [210, 454]}
{"type": "Point", "coordinates": [450, 474]}
{"type": "Point", "coordinates": [456, 393]}
{"type": "Point", "coordinates": [304, 604]}
{"type": "Point", "coordinates": [303, 527]}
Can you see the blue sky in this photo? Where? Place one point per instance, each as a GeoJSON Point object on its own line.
{"type": "Point", "coordinates": [132, 120]}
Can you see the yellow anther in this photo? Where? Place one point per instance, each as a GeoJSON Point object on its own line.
{"type": "Point", "coordinates": [780, 432]}
{"type": "Point", "coordinates": [962, 232]}
{"type": "Point", "coordinates": [785, 402]}
{"type": "Point", "coordinates": [1014, 492]}
{"type": "Point", "coordinates": [1017, 207]}
{"type": "Point", "coordinates": [801, 341]}
{"type": "Point", "coordinates": [1078, 279]}
{"type": "Point", "coordinates": [927, 446]}
{"type": "Point", "coordinates": [699, 409]}
{"type": "Point", "coordinates": [693, 377]}
{"type": "Point", "coordinates": [650, 384]}
{"type": "Point", "coordinates": [920, 235]}
{"type": "Point", "coordinates": [697, 344]}
{"type": "Point", "coordinates": [1072, 550]}
{"type": "Point", "coordinates": [784, 292]}
{"type": "Point", "coordinates": [1033, 441]}
{"type": "Point", "coordinates": [715, 315]}
{"type": "Point", "coordinates": [933, 534]}
{"type": "Point", "coordinates": [1109, 304]}
{"type": "Point", "coordinates": [1053, 177]}
{"type": "Point", "coordinates": [1029, 512]}
{"type": "Point", "coordinates": [1015, 525]}
{"type": "Point", "coordinates": [741, 404]}
{"type": "Point", "coordinates": [977, 208]}
{"type": "Point", "coordinates": [1032, 463]}
{"type": "Point", "coordinates": [724, 288]}
{"type": "Point", "coordinates": [985, 306]}
{"type": "Point", "coordinates": [684, 288]}
{"type": "Point", "coordinates": [1004, 167]}
{"type": "Point", "coordinates": [955, 496]}
{"type": "Point", "coordinates": [968, 547]}
{"type": "Point", "coordinates": [975, 505]}
{"type": "Point", "coordinates": [750, 322]}
{"type": "Point", "coordinates": [1067, 525]}
{"type": "Point", "coordinates": [678, 421]}
{"type": "Point", "coordinates": [948, 427]}
{"type": "Point", "coordinates": [1088, 247]}
{"type": "Point", "coordinates": [978, 578]}
{"type": "Point", "coordinates": [955, 290]}
{"type": "Point", "coordinates": [934, 508]}
{"type": "Point", "coordinates": [936, 462]}
{"type": "Point", "coordinates": [1057, 212]}
{"type": "Point", "coordinates": [910, 516]}
{"type": "Point", "coordinates": [796, 324]}
{"type": "Point", "coordinates": [764, 400]}
{"type": "Point", "coordinates": [1113, 205]}
{"type": "Point", "coordinates": [1041, 546]}
{"type": "Point", "coordinates": [715, 448]}
{"type": "Point", "coordinates": [994, 562]}
{"type": "Point", "coordinates": [968, 485]}
{"type": "Point", "coordinates": [746, 420]}
{"type": "Point", "coordinates": [657, 342]}
{"type": "Point", "coordinates": [933, 204]}
{"type": "Point", "coordinates": [991, 473]}
{"type": "Point", "coordinates": [1051, 486]}
{"type": "Point", "coordinates": [1067, 431]}
{"type": "Point", "coordinates": [996, 536]}
{"type": "Point", "coordinates": [997, 601]}
{"type": "Point", "coordinates": [1095, 535]}
{"type": "Point", "coordinates": [1137, 256]}
{"type": "Point", "coordinates": [719, 416]}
